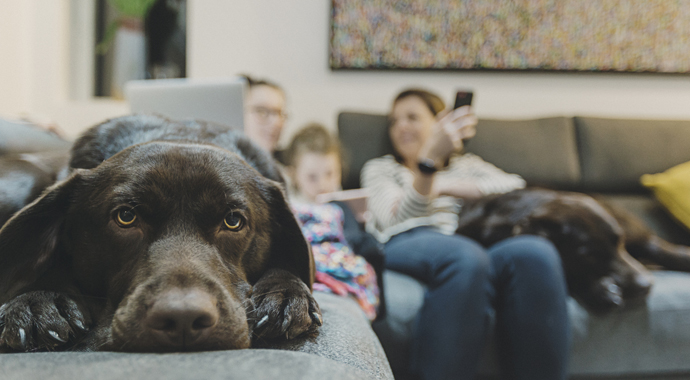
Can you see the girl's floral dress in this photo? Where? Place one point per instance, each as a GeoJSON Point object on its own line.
{"type": "Point", "coordinates": [338, 269]}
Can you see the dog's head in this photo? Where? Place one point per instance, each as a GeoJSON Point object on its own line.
{"type": "Point", "coordinates": [599, 270]}
{"type": "Point", "coordinates": [169, 237]}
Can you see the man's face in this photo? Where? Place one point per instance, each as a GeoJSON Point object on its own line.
{"type": "Point", "coordinates": [264, 116]}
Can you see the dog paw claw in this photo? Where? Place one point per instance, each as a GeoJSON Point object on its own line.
{"type": "Point", "coordinates": [39, 320]}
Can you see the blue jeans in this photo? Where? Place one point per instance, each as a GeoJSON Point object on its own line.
{"type": "Point", "coordinates": [521, 278]}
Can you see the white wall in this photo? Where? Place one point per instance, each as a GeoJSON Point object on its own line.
{"type": "Point", "coordinates": [34, 67]}
{"type": "Point", "coordinates": [287, 41]}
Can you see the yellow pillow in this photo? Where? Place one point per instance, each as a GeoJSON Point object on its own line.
{"type": "Point", "coordinates": [672, 189]}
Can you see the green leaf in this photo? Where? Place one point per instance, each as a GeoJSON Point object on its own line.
{"type": "Point", "coordinates": [108, 38]}
{"type": "Point", "coordinates": [132, 8]}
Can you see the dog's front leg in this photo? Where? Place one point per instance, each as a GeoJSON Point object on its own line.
{"type": "Point", "coordinates": [283, 306]}
{"type": "Point", "coordinates": [670, 256]}
{"type": "Point", "coordinates": [41, 321]}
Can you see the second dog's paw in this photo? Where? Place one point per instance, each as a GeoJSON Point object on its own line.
{"type": "Point", "coordinates": [40, 320]}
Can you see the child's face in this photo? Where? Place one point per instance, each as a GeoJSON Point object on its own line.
{"type": "Point", "coordinates": [317, 173]}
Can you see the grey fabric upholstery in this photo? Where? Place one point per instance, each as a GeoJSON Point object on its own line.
{"type": "Point", "coordinates": [651, 338]}
{"type": "Point", "coordinates": [542, 151]}
{"type": "Point", "coordinates": [345, 348]}
{"type": "Point", "coordinates": [614, 153]}
{"type": "Point", "coordinates": [364, 136]}
{"type": "Point", "coordinates": [654, 215]}
{"type": "Point", "coordinates": [21, 137]}
{"type": "Point", "coordinates": [241, 364]}
{"type": "Point", "coordinates": [346, 337]}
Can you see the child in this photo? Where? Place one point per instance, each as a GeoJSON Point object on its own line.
{"type": "Point", "coordinates": [314, 165]}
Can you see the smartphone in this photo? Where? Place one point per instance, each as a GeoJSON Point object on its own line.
{"type": "Point", "coordinates": [463, 98]}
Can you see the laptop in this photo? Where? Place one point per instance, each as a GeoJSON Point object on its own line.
{"type": "Point", "coordinates": [217, 100]}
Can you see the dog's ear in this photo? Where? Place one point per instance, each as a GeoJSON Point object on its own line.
{"type": "Point", "coordinates": [289, 248]}
{"type": "Point", "coordinates": [29, 240]}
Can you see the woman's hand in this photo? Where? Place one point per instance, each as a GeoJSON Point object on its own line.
{"type": "Point", "coordinates": [447, 134]}
{"type": "Point", "coordinates": [454, 187]}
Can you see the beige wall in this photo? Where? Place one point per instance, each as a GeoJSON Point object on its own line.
{"type": "Point", "coordinates": [287, 41]}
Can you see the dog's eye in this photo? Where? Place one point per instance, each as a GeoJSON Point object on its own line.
{"type": "Point", "coordinates": [234, 221]}
{"type": "Point", "coordinates": [126, 217]}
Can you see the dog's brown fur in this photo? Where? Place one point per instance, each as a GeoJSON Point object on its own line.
{"type": "Point", "coordinates": [599, 245]}
{"type": "Point", "coordinates": [74, 276]}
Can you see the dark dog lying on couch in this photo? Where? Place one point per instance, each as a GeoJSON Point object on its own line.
{"type": "Point", "coordinates": [599, 245]}
{"type": "Point", "coordinates": [166, 236]}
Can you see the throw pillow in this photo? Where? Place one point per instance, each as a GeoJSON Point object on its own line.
{"type": "Point", "coordinates": [672, 189]}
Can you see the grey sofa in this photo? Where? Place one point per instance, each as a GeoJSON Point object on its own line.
{"type": "Point", "coordinates": [595, 155]}
{"type": "Point", "coordinates": [345, 348]}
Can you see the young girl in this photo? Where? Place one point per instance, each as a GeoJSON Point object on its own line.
{"type": "Point", "coordinates": [314, 165]}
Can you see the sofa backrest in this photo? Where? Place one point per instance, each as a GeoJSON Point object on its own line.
{"type": "Point", "coordinates": [580, 154]}
{"type": "Point", "coordinates": [542, 151]}
{"type": "Point", "coordinates": [615, 153]}
{"type": "Point", "coordinates": [363, 136]}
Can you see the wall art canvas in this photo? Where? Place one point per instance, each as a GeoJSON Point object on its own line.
{"type": "Point", "coordinates": [559, 35]}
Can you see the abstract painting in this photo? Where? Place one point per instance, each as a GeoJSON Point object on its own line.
{"type": "Point", "coordinates": [558, 35]}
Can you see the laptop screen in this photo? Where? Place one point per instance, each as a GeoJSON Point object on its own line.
{"type": "Point", "coordinates": [218, 100]}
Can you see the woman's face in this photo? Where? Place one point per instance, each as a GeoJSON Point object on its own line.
{"type": "Point", "coordinates": [264, 116]}
{"type": "Point", "coordinates": [411, 123]}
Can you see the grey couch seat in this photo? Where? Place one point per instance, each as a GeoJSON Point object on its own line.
{"type": "Point", "coordinates": [649, 339]}
{"type": "Point", "coordinates": [241, 364]}
{"type": "Point", "coordinates": [345, 348]}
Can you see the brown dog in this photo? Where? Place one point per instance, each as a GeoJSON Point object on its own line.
{"type": "Point", "coordinates": [595, 241]}
{"type": "Point", "coordinates": [166, 236]}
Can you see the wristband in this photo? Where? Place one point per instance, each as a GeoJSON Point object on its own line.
{"type": "Point", "coordinates": [427, 166]}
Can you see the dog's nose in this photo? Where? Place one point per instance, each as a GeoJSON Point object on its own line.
{"type": "Point", "coordinates": [182, 317]}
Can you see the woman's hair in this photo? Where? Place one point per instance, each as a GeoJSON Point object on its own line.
{"type": "Point", "coordinates": [253, 82]}
{"type": "Point", "coordinates": [314, 138]}
{"type": "Point", "coordinates": [432, 101]}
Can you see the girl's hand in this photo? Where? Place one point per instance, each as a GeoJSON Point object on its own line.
{"type": "Point", "coordinates": [447, 134]}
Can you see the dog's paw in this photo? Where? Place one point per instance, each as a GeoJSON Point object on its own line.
{"type": "Point", "coordinates": [283, 307]}
{"type": "Point", "coordinates": [40, 320]}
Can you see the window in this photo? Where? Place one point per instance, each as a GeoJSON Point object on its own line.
{"type": "Point", "coordinates": [137, 39]}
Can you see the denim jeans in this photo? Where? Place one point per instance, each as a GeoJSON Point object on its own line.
{"type": "Point", "coordinates": [521, 278]}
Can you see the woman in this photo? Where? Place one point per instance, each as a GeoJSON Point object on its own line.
{"type": "Point", "coordinates": [414, 205]}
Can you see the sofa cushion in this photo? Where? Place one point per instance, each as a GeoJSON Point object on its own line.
{"type": "Point", "coordinates": [652, 213]}
{"type": "Point", "coordinates": [672, 189]}
{"type": "Point", "coordinates": [363, 136]}
{"type": "Point", "coordinates": [542, 151]}
{"type": "Point", "coordinates": [238, 364]}
{"type": "Point", "coordinates": [345, 348]}
{"type": "Point", "coordinates": [345, 337]}
{"type": "Point", "coordinates": [23, 137]}
{"type": "Point", "coordinates": [615, 153]}
{"type": "Point", "coordinates": [651, 338]}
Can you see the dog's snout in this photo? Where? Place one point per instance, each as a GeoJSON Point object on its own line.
{"type": "Point", "coordinates": [182, 317]}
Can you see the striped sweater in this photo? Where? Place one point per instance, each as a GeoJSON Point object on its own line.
{"type": "Point", "coordinates": [395, 206]}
